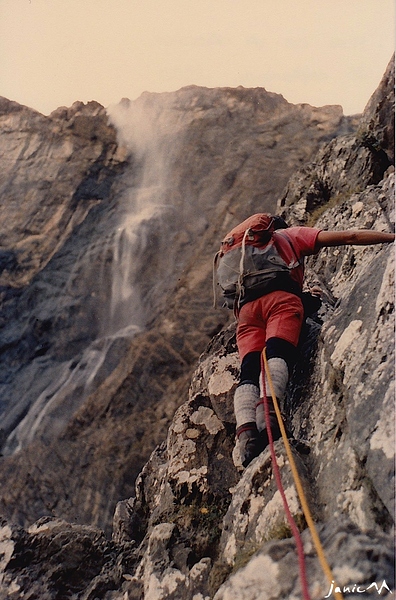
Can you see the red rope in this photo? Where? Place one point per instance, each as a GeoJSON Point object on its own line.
{"type": "Point", "coordinates": [278, 479]}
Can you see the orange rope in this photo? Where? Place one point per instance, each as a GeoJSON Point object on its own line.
{"type": "Point", "coordinates": [292, 523]}
{"type": "Point", "coordinates": [300, 491]}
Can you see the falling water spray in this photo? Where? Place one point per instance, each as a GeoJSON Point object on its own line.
{"type": "Point", "coordinates": [151, 135]}
{"type": "Point", "coordinates": [145, 217]}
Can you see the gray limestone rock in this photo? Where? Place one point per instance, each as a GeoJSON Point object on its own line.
{"type": "Point", "coordinates": [55, 559]}
{"type": "Point", "coordinates": [362, 563]}
{"type": "Point", "coordinates": [195, 525]}
{"type": "Point", "coordinates": [106, 249]}
{"type": "Point", "coordinates": [348, 164]}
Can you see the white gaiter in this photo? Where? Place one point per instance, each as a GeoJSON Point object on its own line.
{"type": "Point", "coordinates": [246, 398]}
{"type": "Point", "coordinates": [280, 377]}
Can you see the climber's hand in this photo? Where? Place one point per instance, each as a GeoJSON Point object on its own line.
{"type": "Point", "coordinates": [315, 290]}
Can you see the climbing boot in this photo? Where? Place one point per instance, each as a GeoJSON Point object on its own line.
{"type": "Point", "coordinates": [276, 432]}
{"type": "Point", "coordinates": [261, 425]}
{"type": "Point", "coordinates": [250, 443]}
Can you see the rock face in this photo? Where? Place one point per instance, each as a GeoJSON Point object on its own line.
{"type": "Point", "coordinates": [348, 164]}
{"type": "Point", "coordinates": [197, 526]}
{"type": "Point", "coordinates": [106, 252]}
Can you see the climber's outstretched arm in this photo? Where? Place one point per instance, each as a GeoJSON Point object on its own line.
{"type": "Point", "coordinates": [354, 237]}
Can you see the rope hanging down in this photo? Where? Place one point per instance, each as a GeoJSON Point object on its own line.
{"type": "Point", "coordinates": [300, 491]}
{"type": "Point", "coordinates": [292, 523]}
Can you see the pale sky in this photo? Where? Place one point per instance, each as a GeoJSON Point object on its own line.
{"type": "Point", "coordinates": [54, 52]}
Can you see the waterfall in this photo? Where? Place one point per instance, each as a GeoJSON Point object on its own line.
{"type": "Point", "coordinates": [148, 130]}
{"type": "Point", "coordinates": [144, 219]}
{"type": "Point", "coordinates": [152, 213]}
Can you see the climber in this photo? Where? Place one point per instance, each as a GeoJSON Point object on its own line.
{"type": "Point", "coordinates": [273, 319]}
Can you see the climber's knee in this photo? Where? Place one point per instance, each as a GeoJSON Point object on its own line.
{"type": "Point", "coordinates": [250, 369]}
{"type": "Point", "coordinates": [279, 348]}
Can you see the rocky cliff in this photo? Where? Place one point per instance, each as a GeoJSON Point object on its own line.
{"type": "Point", "coordinates": [107, 241]}
{"type": "Point", "coordinates": [196, 526]}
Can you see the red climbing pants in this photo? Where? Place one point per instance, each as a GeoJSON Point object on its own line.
{"type": "Point", "coordinates": [278, 314]}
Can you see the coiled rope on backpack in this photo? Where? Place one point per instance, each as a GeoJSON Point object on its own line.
{"type": "Point", "coordinates": [240, 274]}
{"type": "Point", "coordinates": [214, 284]}
{"type": "Point", "coordinates": [241, 269]}
{"type": "Point", "coordinates": [300, 491]}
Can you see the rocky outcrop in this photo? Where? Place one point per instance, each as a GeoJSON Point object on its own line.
{"type": "Point", "coordinates": [54, 171]}
{"type": "Point", "coordinates": [200, 527]}
{"type": "Point", "coordinates": [106, 293]}
{"type": "Point", "coordinates": [56, 559]}
{"type": "Point", "coordinates": [348, 164]}
{"type": "Point", "coordinates": [340, 404]}
{"type": "Point", "coordinates": [341, 408]}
